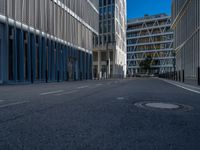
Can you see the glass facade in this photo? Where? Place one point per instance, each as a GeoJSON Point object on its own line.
{"type": "Point", "coordinates": [150, 36]}
{"type": "Point", "coordinates": [110, 46]}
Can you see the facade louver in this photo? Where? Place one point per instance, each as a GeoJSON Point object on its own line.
{"type": "Point", "coordinates": [186, 25]}
{"type": "Point", "coordinates": [47, 40]}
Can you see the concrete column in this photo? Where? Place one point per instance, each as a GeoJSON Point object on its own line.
{"type": "Point", "coordinates": [3, 53]}
{"type": "Point", "coordinates": [0, 61]}
{"type": "Point", "coordinates": [99, 64]}
{"type": "Point", "coordinates": [21, 50]}
{"type": "Point", "coordinates": [108, 64]}
{"type": "Point", "coordinates": [41, 49]}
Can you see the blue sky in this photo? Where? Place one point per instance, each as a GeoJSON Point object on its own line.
{"type": "Point", "coordinates": [137, 8]}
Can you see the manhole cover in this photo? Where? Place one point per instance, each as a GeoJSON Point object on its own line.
{"type": "Point", "coordinates": [162, 105]}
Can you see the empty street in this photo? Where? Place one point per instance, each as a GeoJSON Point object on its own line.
{"type": "Point", "coordinates": [100, 115]}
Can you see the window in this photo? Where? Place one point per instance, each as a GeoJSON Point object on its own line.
{"type": "Point", "coordinates": [104, 26]}
{"type": "Point", "coordinates": [100, 3]}
{"type": "Point", "coordinates": [104, 2]}
{"type": "Point", "coordinates": [0, 58]}
{"type": "Point", "coordinates": [11, 59]}
{"type": "Point", "coordinates": [25, 56]}
{"type": "Point", "coordinates": [105, 39]}
{"type": "Point", "coordinates": [109, 11]}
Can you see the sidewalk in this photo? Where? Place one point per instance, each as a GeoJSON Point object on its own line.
{"type": "Point", "coordinates": [192, 88]}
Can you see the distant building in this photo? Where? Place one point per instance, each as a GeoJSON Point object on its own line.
{"type": "Point", "coordinates": [186, 25]}
{"type": "Point", "coordinates": [110, 50]}
{"type": "Point", "coordinates": [150, 36]}
{"type": "Point", "coordinates": [47, 40]}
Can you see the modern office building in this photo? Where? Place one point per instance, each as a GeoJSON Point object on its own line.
{"type": "Point", "coordinates": [110, 49]}
{"type": "Point", "coordinates": [150, 36]}
{"type": "Point", "coordinates": [186, 25]}
{"type": "Point", "coordinates": [47, 40]}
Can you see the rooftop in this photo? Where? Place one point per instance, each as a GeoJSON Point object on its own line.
{"type": "Point", "coordinates": [147, 17]}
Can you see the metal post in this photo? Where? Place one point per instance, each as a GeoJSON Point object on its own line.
{"type": "Point", "coordinates": [32, 80]}
{"type": "Point", "coordinates": [198, 76]}
{"type": "Point", "coordinates": [58, 77]}
{"type": "Point", "coordinates": [74, 76]}
{"type": "Point", "coordinates": [46, 76]}
{"type": "Point", "coordinates": [67, 76]}
{"type": "Point", "coordinates": [183, 75]}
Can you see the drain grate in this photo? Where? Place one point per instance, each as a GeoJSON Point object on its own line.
{"type": "Point", "coordinates": [163, 106]}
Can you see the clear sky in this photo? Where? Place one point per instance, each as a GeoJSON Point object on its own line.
{"type": "Point", "coordinates": [138, 8]}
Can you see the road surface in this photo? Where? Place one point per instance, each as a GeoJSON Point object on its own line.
{"type": "Point", "coordinates": [98, 115]}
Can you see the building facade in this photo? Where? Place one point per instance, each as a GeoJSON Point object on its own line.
{"type": "Point", "coordinates": [47, 40]}
{"type": "Point", "coordinates": [110, 48]}
{"type": "Point", "coordinates": [150, 36]}
{"type": "Point", "coordinates": [186, 25]}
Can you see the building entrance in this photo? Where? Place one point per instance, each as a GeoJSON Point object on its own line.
{"type": "Point", "coordinates": [95, 71]}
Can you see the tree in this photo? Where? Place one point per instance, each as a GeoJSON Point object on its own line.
{"type": "Point", "coordinates": [146, 64]}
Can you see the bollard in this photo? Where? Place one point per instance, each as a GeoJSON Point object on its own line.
{"type": "Point", "coordinates": [67, 76]}
{"type": "Point", "coordinates": [58, 77]}
{"type": "Point", "coordinates": [198, 76]}
{"type": "Point", "coordinates": [81, 76]}
{"type": "Point", "coordinates": [74, 76]}
{"type": "Point", "coordinates": [46, 76]}
{"type": "Point", "coordinates": [183, 76]}
{"type": "Point", "coordinates": [32, 76]}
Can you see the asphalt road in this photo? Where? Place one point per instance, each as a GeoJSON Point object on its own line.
{"type": "Point", "coordinates": [98, 115]}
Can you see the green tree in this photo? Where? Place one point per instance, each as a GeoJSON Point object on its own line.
{"type": "Point", "coordinates": [146, 64]}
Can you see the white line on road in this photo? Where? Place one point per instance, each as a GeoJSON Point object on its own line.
{"type": "Point", "coordinates": [12, 104]}
{"type": "Point", "coordinates": [99, 84]}
{"type": "Point", "coordinates": [191, 90]}
{"type": "Point", "coordinates": [70, 92]}
{"type": "Point", "coordinates": [120, 98]}
{"type": "Point", "coordinates": [82, 87]}
{"type": "Point", "coordinates": [52, 92]}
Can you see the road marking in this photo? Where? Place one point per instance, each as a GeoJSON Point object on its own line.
{"type": "Point", "coordinates": [70, 92]}
{"type": "Point", "coordinates": [2, 100]}
{"type": "Point", "coordinates": [99, 84]}
{"type": "Point", "coordinates": [83, 87]}
{"type": "Point", "coordinates": [191, 90]}
{"type": "Point", "coordinates": [52, 92]}
{"type": "Point", "coordinates": [120, 98]}
{"type": "Point", "coordinates": [12, 104]}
